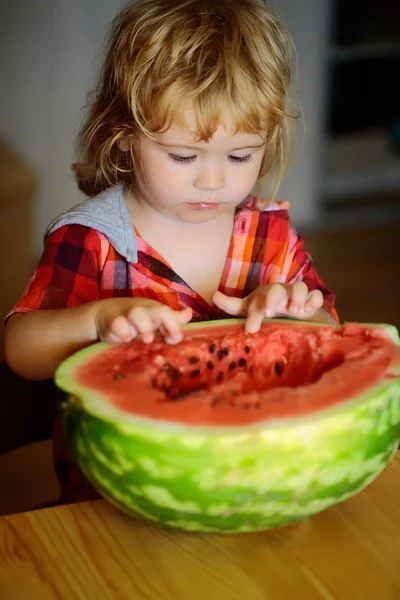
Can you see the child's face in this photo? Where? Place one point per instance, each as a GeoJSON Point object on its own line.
{"type": "Point", "coordinates": [194, 181]}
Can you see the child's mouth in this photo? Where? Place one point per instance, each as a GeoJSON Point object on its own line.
{"type": "Point", "coordinates": [203, 205]}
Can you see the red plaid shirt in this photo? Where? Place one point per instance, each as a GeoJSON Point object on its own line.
{"type": "Point", "coordinates": [80, 265]}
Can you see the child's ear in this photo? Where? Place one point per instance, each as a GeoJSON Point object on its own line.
{"type": "Point", "coordinates": [125, 144]}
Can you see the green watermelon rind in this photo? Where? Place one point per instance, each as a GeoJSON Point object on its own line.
{"type": "Point", "coordinates": [231, 479]}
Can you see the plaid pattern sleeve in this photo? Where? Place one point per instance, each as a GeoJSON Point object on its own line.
{"type": "Point", "coordinates": [68, 272]}
{"type": "Point", "coordinates": [267, 249]}
{"type": "Point", "coordinates": [296, 264]}
{"type": "Point", "coordinates": [300, 267]}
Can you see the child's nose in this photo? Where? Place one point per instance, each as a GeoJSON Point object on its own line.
{"type": "Point", "coordinates": [210, 179]}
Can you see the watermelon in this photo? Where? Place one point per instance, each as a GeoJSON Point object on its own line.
{"type": "Point", "coordinates": [230, 432]}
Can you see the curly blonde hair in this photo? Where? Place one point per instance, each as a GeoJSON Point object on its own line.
{"type": "Point", "coordinates": [220, 55]}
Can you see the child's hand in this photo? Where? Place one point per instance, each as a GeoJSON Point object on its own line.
{"type": "Point", "coordinates": [122, 319]}
{"type": "Point", "coordinates": [271, 301]}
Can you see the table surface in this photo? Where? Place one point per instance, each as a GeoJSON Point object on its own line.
{"type": "Point", "coordinates": [91, 550]}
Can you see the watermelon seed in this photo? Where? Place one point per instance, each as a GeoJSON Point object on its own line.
{"type": "Point", "coordinates": [118, 376]}
{"type": "Point", "coordinates": [220, 354]}
{"type": "Point", "coordinates": [210, 365]}
{"type": "Point", "coordinates": [212, 348]}
{"type": "Point", "coordinates": [225, 351]}
{"type": "Point", "coordinates": [246, 349]}
{"type": "Point", "coordinates": [195, 373]}
{"type": "Point", "coordinates": [242, 362]}
{"type": "Point", "coordinates": [232, 366]}
{"type": "Point", "coordinates": [174, 373]}
{"type": "Point", "coordinates": [278, 369]}
{"type": "Point", "coordinates": [220, 377]}
{"type": "Point", "coordinates": [193, 360]}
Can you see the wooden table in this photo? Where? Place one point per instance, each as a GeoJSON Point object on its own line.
{"type": "Point", "coordinates": [92, 551]}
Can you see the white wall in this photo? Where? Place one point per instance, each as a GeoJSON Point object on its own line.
{"type": "Point", "coordinates": [48, 52]}
{"type": "Point", "coordinates": [48, 55]}
{"type": "Point", "coordinates": [308, 22]}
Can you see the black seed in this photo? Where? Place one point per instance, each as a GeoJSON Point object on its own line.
{"type": "Point", "coordinates": [246, 349]}
{"type": "Point", "coordinates": [220, 354]}
{"type": "Point", "coordinates": [174, 373]}
{"type": "Point", "coordinates": [242, 362]}
{"type": "Point", "coordinates": [195, 373]}
{"type": "Point", "coordinates": [225, 351]}
{"type": "Point", "coordinates": [118, 376]}
{"type": "Point", "coordinates": [220, 377]}
{"type": "Point", "coordinates": [193, 360]}
{"type": "Point", "coordinates": [212, 348]}
{"type": "Point", "coordinates": [278, 369]}
{"type": "Point", "coordinates": [232, 366]}
{"type": "Point", "coordinates": [210, 365]}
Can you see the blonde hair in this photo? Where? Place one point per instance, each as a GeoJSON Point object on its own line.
{"type": "Point", "coordinates": [220, 55]}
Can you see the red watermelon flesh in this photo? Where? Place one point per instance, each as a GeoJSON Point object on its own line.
{"type": "Point", "coordinates": [219, 376]}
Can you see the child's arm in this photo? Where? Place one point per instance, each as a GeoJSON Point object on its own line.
{"type": "Point", "coordinates": [60, 311]}
{"type": "Point", "coordinates": [37, 342]}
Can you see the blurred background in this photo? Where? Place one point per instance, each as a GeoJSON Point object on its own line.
{"type": "Point", "coordinates": [344, 186]}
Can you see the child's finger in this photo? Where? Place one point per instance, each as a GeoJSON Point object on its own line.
{"type": "Point", "coordinates": [171, 322]}
{"type": "Point", "coordinates": [184, 316]}
{"type": "Point", "coordinates": [297, 297]}
{"type": "Point", "coordinates": [140, 318]}
{"type": "Point", "coordinates": [314, 302]}
{"type": "Point", "coordinates": [275, 298]}
{"type": "Point", "coordinates": [120, 330]}
{"type": "Point", "coordinates": [232, 306]}
{"type": "Point", "coordinates": [254, 321]}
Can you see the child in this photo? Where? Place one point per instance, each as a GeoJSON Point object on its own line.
{"type": "Point", "coordinates": [191, 109]}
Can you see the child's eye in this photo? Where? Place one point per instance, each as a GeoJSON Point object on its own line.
{"type": "Point", "coordinates": [241, 159]}
{"type": "Point", "coordinates": [182, 159]}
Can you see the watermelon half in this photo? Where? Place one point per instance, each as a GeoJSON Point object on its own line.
{"type": "Point", "coordinates": [229, 432]}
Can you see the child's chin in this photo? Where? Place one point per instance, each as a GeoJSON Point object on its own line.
{"type": "Point", "coordinates": [191, 215]}
{"type": "Point", "coordinates": [197, 216]}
